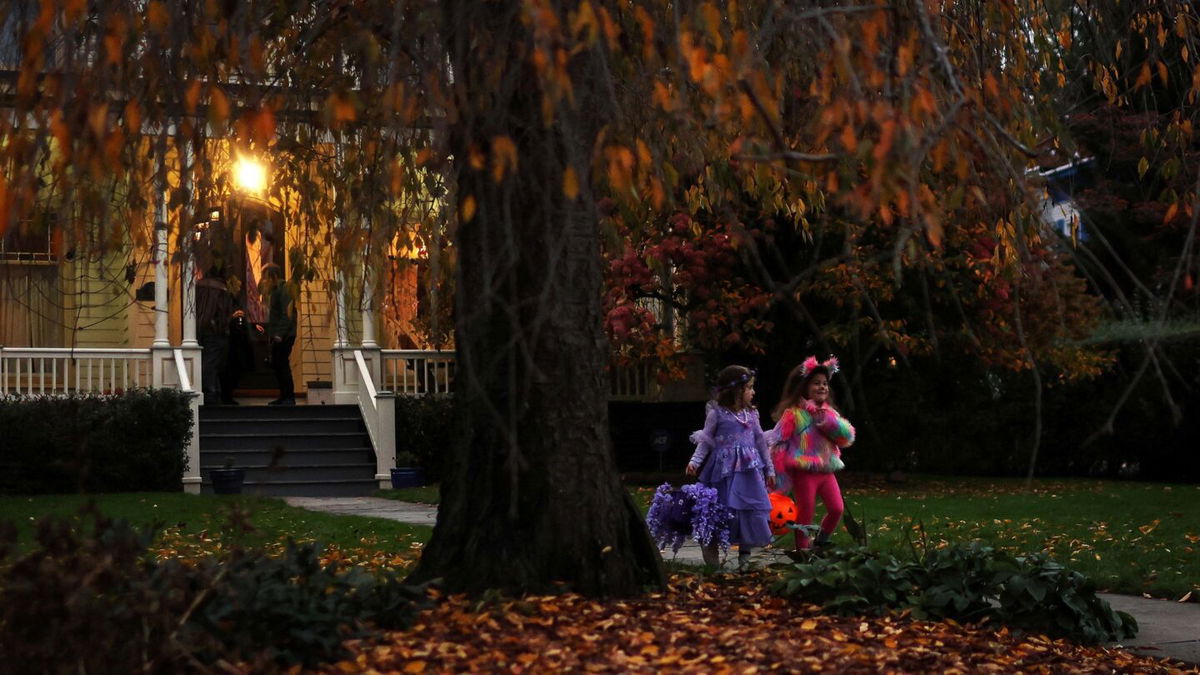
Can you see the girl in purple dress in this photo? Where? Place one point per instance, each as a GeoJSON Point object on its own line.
{"type": "Point", "coordinates": [739, 464]}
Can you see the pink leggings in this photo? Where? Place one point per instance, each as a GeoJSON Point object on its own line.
{"type": "Point", "coordinates": [807, 485]}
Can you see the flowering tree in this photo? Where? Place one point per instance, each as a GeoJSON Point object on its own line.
{"type": "Point", "coordinates": [678, 285]}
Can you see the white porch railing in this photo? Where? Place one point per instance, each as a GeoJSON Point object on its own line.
{"type": "Point", "coordinates": [629, 383]}
{"type": "Point", "coordinates": [378, 411]}
{"type": "Point", "coordinates": [42, 371]}
{"type": "Point", "coordinates": [371, 378]}
{"type": "Point", "coordinates": [411, 372]}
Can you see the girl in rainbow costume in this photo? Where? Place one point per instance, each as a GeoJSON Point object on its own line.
{"type": "Point", "coordinates": [807, 444]}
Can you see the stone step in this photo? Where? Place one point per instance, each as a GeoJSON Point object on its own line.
{"type": "Point", "coordinates": [268, 425]}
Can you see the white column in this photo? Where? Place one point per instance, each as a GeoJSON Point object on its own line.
{"type": "Point", "coordinates": [368, 309]}
{"type": "Point", "coordinates": [188, 269]}
{"type": "Point", "coordinates": [345, 371]}
{"type": "Point", "coordinates": [160, 275]}
{"type": "Point", "coordinates": [343, 334]}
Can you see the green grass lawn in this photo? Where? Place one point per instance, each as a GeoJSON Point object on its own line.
{"type": "Point", "coordinates": [426, 494]}
{"type": "Point", "coordinates": [1127, 537]}
{"type": "Point", "coordinates": [194, 524]}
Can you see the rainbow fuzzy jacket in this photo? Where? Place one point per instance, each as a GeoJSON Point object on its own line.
{"type": "Point", "coordinates": [801, 443]}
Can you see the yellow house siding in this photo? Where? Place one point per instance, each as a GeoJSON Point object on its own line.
{"type": "Point", "coordinates": [141, 313]}
{"type": "Point", "coordinates": [99, 301]}
{"type": "Point", "coordinates": [316, 334]}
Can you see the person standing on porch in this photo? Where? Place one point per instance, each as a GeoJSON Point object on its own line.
{"type": "Point", "coordinates": [281, 331]}
{"type": "Point", "coordinates": [214, 306]}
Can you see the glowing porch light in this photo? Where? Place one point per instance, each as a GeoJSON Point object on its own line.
{"type": "Point", "coordinates": [250, 175]}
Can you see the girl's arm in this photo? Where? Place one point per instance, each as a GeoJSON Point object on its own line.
{"type": "Point", "coordinates": [786, 425]}
{"type": "Point", "coordinates": [705, 440]}
{"type": "Point", "coordinates": [836, 428]}
{"type": "Point", "coordinates": [764, 452]}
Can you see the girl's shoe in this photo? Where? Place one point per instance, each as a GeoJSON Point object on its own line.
{"type": "Point", "coordinates": [743, 561]}
{"type": "Point", "coordinates": [711, 557]}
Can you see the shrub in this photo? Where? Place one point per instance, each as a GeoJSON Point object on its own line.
{"type": "Point", "coordinates": [90, 599]}
{"type": "Point", "coordinates": [134, 441]}
{"type": "Point", "coordinates": [423, 428]}
{"type": "Point", "coordinates": [965, 583]}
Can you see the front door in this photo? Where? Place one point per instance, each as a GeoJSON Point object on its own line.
{"type": "Point", "coordinates": [260, 233]}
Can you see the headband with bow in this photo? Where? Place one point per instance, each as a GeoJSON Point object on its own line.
{"type": "Point", "coordinates": [830, 364]}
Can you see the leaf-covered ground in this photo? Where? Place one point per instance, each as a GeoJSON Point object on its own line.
{"type": "Point", "coordinates": [721, 624]}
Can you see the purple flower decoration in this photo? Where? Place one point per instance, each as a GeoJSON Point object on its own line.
{"type": "Point", "coordinates": [691, 511]}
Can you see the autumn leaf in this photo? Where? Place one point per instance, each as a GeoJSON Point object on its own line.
{"type": "Point", "coordinates": [467, 209]}
{"type": "Point", "coordinates": [475, 158]}
{"type": "Point", "coordinates": [990, 85]}
{"type": "Point", "coordinates": [1171, 211]}
{"type": "Point", "coordinates": [584, 19]}
{"type": "Point", "coordinates": [885, 140]}
{"type": "Point", "coordinates": [849, 140]}
{"type": "Point", "coordinates": [133, 117]}
{"type": "Point", "coordinates": [504, 157]}
{"type": "Point", "coordinates": [570, 183]}
{"type": "Point", "coordinates": [1143, 77]}
{"type": "Point", "coordinates": [98, 120]}
{"type": "Point", "coordinates": [191, 97]}
{"type": "Point", "coordinates": [264, 125]}
{"type": "Point", "coordinates": [157, 16]}
{"type": "Point", "coordinates": [611, 30]}
{"type": "Point", "coordinates": [218, 110]}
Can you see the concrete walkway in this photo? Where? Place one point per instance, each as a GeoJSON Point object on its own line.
{"type": "Point", "coordinates": [1166, 629]}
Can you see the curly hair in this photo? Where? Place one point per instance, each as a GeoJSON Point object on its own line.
{"type": "Point", "coordinates": [731, 382]}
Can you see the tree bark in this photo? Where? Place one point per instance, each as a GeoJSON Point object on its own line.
{"type": "Point", "coordinates": [532, 501]}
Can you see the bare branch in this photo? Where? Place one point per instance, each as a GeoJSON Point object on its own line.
{"type": "Point", "coordinates": [788, 155]}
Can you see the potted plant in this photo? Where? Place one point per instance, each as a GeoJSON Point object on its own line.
{"type": "Point", "coordinates": [407, 473]}
{"type": "Point", "coordinates": [227, 480]}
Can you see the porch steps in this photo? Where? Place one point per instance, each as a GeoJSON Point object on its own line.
{"type": "Point", "coordinates": [304, 450]}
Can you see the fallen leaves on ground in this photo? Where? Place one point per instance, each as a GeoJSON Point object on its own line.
{"type": "Point", "coordinates": [723, 624]}
{"type": "Point", "coordinates": [189, 547]}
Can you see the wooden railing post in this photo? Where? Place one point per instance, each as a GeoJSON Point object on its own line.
{"type": "Point", "coordinates": [191, 475]}
{"type": "Point", "coordinates": [345, 375]}
{"type": "Point", "coordinates": [385, 447]}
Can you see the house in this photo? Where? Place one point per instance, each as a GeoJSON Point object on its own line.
{"type": "Point", "coordinates": [110, 303]}
{"type": "Point", "coordinates": [92, 308]}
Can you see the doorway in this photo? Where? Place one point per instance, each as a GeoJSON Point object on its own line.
{"type": "Point", "coordinates": [260, 237]}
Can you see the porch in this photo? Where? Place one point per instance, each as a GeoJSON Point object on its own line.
{"type": "Point", "coordinates": [342, 442]}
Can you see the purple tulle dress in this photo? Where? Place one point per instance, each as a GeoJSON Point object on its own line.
{"type": "Point", "coordinates": [738, 460]}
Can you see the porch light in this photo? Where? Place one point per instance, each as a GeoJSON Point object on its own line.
{"type": "Point", "coordinates": [250, 175]}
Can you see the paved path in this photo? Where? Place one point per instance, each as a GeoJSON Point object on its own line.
{"type": "Point", "coordinates": [1166, 629]}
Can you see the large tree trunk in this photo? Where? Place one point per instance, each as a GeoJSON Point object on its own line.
{"type": "Point", "coordinates": [532, 500]}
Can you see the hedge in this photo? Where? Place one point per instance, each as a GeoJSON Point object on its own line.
{"type": "Point", "coordinates": [424, 428]}
{"type": "Point", "coordinates": [129, 442]}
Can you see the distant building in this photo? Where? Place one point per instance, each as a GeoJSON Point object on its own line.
{"type": "Point", "coordinates": [1058, 210]}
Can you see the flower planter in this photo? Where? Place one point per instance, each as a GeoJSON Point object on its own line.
{"type": "Point", "coordinates": [227, 481]}
{"type": "Point", "coordinates": [407, 476]}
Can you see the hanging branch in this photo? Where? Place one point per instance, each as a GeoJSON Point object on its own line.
{"type": "Point", "coordinates": [1037, 383]}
